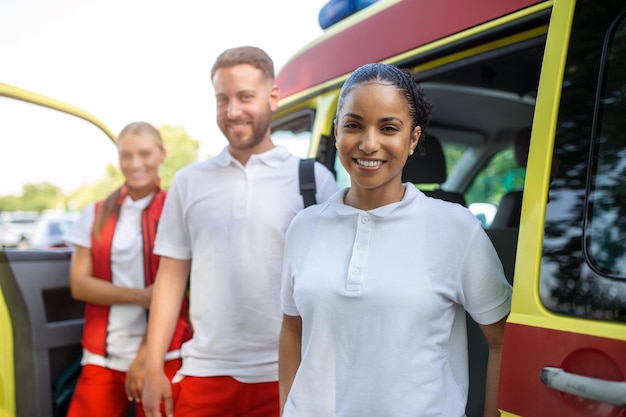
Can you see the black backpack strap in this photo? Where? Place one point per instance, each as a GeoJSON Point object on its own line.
{"type": "Point", "coordinates": [307, 181]}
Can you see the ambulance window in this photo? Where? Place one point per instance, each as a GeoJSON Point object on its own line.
{"type": "Point", "coordinates": [583, 265]}
{"type": "Point", "coordinates": [605, 231]}
{"type": "Point", "coordinates": [294, 132]}
{"type": "Point", "coordinates": [500, 175]}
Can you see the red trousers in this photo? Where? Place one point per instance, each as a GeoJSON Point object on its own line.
{"type": "Point", "coordinates": [100, 392]}
{"type": "Point", "coordinates": [223, 396]}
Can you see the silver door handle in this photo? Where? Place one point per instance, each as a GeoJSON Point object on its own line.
{"type": "Point", "coordinates": [610, 392]}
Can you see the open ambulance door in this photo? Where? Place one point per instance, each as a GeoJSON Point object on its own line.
{"type": "Point", "coordinates": [565, 343]}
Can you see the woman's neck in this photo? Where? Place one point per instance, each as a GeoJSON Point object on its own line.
{"type": "Point", "coordinates": [138, 194]}
{"type": "Point", "coordinates": [371, 198]}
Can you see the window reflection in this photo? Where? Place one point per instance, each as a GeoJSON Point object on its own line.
{"type": "Point", "coordinates": [606, 205]}
{"type": "Point", "coordinates": [581, 273]}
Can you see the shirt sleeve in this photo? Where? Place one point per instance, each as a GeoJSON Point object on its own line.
{"type": "Point", "coordinates": [80, 232]}
{"type": "Point", "coordinates": [486, 292]}
{"type": "Point", "coordinates": [172, 239]}
{"type": "Point", "coordinates": [286, 291]}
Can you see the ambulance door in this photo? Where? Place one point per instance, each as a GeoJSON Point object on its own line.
{"type": "Point", "coordinates": [565, 342]}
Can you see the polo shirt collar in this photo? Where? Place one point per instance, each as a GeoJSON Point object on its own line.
{"type": "Point", "coordinates": [336, 202]}
{"type": "Point", "coordinates": [140, 204]}
{"type": "Point", "coordinates": [273, 158]}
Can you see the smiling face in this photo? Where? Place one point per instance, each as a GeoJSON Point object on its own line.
{"type": "Point", "coordinates": [374, 136]}
{"type": "Point", "coordinates": [140, 156]}
{"type": "Point", "coordinates": [245, 103]}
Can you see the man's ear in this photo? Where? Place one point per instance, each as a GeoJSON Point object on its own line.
{"type": "Point", "coordinates": [274, 97]}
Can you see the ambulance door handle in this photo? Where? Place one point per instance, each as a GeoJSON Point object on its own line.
{"type": "Point", "coordinates": [610, 392]}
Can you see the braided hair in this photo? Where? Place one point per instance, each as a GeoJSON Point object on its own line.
{"type": "Point", "coordinates": [420, 109]}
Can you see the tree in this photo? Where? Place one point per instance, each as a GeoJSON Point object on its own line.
{"type": "Point", "coordinates": [38, 197]}
{"type": "Point", "coordinates": [181, 150]}
{"type": "Point", "coordinates": [10, 203]}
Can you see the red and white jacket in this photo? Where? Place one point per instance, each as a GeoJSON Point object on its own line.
{"type": "Point", "coordinates": [97, 316]}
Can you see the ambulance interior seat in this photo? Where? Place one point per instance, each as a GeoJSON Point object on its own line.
{"type": "Point", "coordinates": [430, 168]}
{"type": "Point", "coordinates": [504, 228]}
{"type": "Point", "coordinates": [509, 210]}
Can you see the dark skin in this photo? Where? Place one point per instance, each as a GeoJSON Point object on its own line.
{"type": "Point", "coordinates": [375, 137]}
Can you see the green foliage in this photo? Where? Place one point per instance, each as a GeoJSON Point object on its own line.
{"type": "Point", "coordinates": [181, 150]}
{"type": "Point", "coordinates": [10, 203]}
{"type": "Point", "coordinates": [501, 175]}
{"type": "Point", "coordinates": [35, 197]}
{"type": "Point", "coordinates": [42, 196]}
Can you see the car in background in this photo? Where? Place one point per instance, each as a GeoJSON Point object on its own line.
{"type": "Point", "coordinates": [50, 229]}
{"type": "Point", "coordinates": [16, 228]}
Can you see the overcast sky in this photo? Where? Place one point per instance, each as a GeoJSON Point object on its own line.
{"type": "Point", "coordinates": [126, 60]}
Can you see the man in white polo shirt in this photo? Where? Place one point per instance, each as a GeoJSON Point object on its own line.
{"type": "Point", "coordinates": [222, 232]}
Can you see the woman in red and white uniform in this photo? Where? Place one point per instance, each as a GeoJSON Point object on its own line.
{"type": "Point", "coordinates": [113, 271]}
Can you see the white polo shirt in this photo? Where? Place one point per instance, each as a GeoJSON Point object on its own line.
{"type": "Point", "coordinates": [231, 221]}
{"type": "Point", "coordinates": [382, 295]}
{"type": "Point", "coordinates": [127, 322]}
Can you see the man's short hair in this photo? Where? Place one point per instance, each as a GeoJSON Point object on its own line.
{"type": "Point", "coordinates": [250, 55]}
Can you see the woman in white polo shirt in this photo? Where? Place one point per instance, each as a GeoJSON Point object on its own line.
{"type": "Point", "coordinates": [113, 269]}
{"type": "Point", "coordinates": [377, 280]}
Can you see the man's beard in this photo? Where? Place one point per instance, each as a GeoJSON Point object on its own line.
{"type": "Point", "coordinates": [258, 135]}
